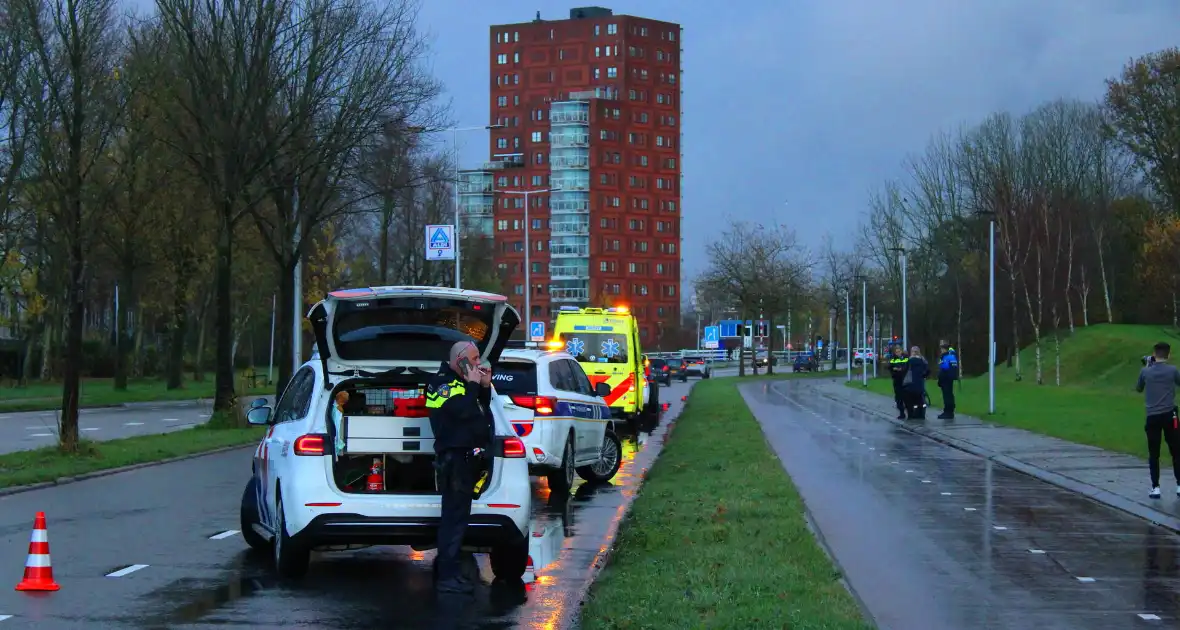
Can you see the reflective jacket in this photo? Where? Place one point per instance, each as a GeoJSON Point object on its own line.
{"type": "Point", "coordinates": [460, 412]}
{"type": "Point", "coordinates": [948, 368]}
{"type": "Point", "coordinates": [897, 369]}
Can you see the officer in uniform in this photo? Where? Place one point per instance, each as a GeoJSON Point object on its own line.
{"type": "Point", "coordinates": [948, 373]}
{"type": "Point", "coordinates": [458, 398]}
{"type": "Point", "coordinates": [898, 364]}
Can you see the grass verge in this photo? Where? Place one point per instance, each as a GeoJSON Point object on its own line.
{"type": "Point", "coordinates": [98, 392]}
{"type": "Point", "coordinates": [46, 464]}
{"type": "Point", "coordinates": [717, 536]}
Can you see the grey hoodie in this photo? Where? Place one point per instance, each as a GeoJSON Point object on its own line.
{"type": "Point", "coordinates": [1158, 383]}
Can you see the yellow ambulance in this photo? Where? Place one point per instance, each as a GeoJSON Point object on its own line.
{"type": "Point", "coordinates": [605, 342]}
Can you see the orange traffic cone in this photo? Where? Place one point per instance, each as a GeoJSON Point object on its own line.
{"type": "Point", "coordinates": [683, 398]}
{"type": "Point", "coordinates": [38, 569]}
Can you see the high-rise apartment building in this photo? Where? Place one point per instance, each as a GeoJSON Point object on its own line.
{"type": "Point", "coordinates": [590, 109]}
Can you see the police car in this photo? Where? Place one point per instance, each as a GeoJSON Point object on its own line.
{"type": "Point", "coordinates": [564, 421]}
{"type": "Point", "coordinates": [348, 457]}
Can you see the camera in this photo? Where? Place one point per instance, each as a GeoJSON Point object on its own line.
{"type": "Point", "coordinates": [1147, 360]}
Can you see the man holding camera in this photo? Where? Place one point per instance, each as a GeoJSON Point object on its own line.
{"type": "Point", "coordinates": [1157, 381]}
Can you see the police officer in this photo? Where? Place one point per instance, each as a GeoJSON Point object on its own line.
{"type": "Point", "coordinates": [458, 398]}
{"type": "Point", "coordinates": [948, 373]}
{"type": "Point", "coordinates": [898, 364]}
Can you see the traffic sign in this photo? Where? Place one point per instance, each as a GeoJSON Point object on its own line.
{"type": "Point", "coordinates": [712, 333]}
{"type": "Point", "coordinates": [729, 328]}
{"type": "Point", "coordinates": [440, 242]}
{"type": "Point", "coordinates": [536, 331]}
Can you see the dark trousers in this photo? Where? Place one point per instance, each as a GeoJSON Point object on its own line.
{"type": "Point", "coordinates": [948, 398]}
{"type": "Point", "coordinates": [915, 403]}
{"type": "Point", "coordinates": [899, 396]}
{"type": "Point", "coordinates": [456, 483]}
{"type": "Point", "coordinates": [1162, 428]}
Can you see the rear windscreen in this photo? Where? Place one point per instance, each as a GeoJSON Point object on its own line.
{"type": "Point", "coordinates": [597, 347]}
{"type": "Point", "coordinates": [515, 377]}
{"type": "Point", "coordinates": [657, 363]}
{"type": "Point", "coordinates": [408, 329]}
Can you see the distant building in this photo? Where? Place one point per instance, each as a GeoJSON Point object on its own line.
{"type": "Point", "coordinates": [591, 106]}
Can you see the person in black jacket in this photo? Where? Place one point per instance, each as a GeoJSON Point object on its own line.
{"type": "Point", "coordinates": [459, 399]}
{"type": "Point", "coordinates": [915, 385]}
{"type": "Point", "coordinates": [898, 365]}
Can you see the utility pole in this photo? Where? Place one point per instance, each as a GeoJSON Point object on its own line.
{"type": "Point", "coordinates": [270, 371]}
{"type": "Point", "coordinates": [864, 316]}
{"type": "Point", "coordinates": [297, 298]}
{"type": "Point", "coordinates": [528, 275]}
{"type": "Point", "coordinates": [876, 342]}
{"type": "Point", "coordinates": [848, 330]}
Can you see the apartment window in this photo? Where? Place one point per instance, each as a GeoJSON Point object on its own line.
{"type": "Point", "coordinates": [612, 72]}
{"type": "Point", "coordinates": [643, 31]}
{"type": "Point", "coordinates": [597, 73]}
{"type": "Point", "coordinates": [536, 136]}
{"type": "Point", "coordinates": [602, 266]}
{"type": "Point", "coordinates": [536, 182]}
{"type": "Point", "coordinates": [518, 289]}
{"type": "Point", "coordinates": [516, 142]}
{"type": "Point", "coordinates": [502, 101]}
{"type": "Point", "coordinates": [501, 143]}
{"type": "Point", "coordinates": [670, 290]}
{"type": "Point", "coordinates": [643, 160]}
{"type": "Point", "coordinates": [515, 57]}
{"type": "Point", "coordinates": [672, 78]}
{"type": "Point", "coordinates": [598, 51]}
{"type": "Point", "coordinates": [561, 54]}
{"type": "Point", "coordinates": [670, 163]}
{"type": "Point", "coordinates": [516, 36]}
{"type": "Point", "coordinates": [502, 181]}
{"type": "Point", "coordinates": [515, 78]}
{"type": "Point", "coordinates": [671, 36]}
{"type": "Point", "coordinates": [659, 269]}
{"type": "Point", "coordinates": [516, 99]}
{"type": "Point", "coordinates": [502, 225]}
{"type": "Point", "coordinates": [536, 224]}
{"type": "Point", "coordinates": [540, 246]}
{"type": "Point", "coordinates": [516, 225]}
{"type": "Point", "coordinates": [607, 50]}
{"type": "Point", "coordinates": [612, 29]}
{"type": "Point", "coordinates": [643, 73]}
{"type": "Point", "coordinates": [597, 29]}
{"type": "Point", "coordinates": [538, 158]}
{"type": "Point", "coordinates": [614, 202]}
{"type": "Point", "coordinates": [499, 39]}
{"type": "Point", "coordinates": [502, 59]}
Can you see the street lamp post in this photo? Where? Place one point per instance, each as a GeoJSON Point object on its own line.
{"type": "Point", "coordinates": [528, 276]}
{"type": "Point", "coordinates": [848, 331]}
{"type": "Point", "coordinates": [991, 311]}
{"type": "Point", "coordinates": [905, 338]}
{"type": "Point", "coordinates": [864, 324]}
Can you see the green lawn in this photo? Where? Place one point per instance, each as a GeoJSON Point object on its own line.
{"type": "Point", "coordinates": [717, 536]}
{"type": "Point", "coordinates": [1096, 403]}
{"type": "Point", "coordinates": [46, 464]}
{"type": "Point", "coordinates": [101, 392]}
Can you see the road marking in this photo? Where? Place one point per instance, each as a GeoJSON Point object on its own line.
{"type": "Point", "coordinates": [90, 429]}
{"type": "Point", "coordinates": [968, 509]}
{"type": "Point", "coordinates": [999, 528]}
{"type": "Point", "coordinates": [1085, 579]}
{"type": "Point", "coordinates": [927, 481]}
{"type": "Point", "coordinates": [40, 428]}
{"type": "Point", "coordinates": [909, 471]}
{"type": "Point", "coordinates": [892, 462]}
{"type": "Point", "coordinates": [882, 454]}
{"type": "Point", "coordinates": [127, 570]}
{"type": "Point", "coordinates": [170, 420]}
{"type": "Point", "coordinates": [225, 534]}
{"type": "Point", "coordinates": [1037, 551]}
{"type": "Point", "coordinates": [1149, 617]}
{"type": "Point", "coordinates": [40, 435]}
{"type": "Point", "coordinates": [946, 494]}
{"type": "Point", "coordinates": [133, 424]}
{"type": "Point", "coordinates": [3, 617]}
{"type": "Point", "coordinates": [872, 449]}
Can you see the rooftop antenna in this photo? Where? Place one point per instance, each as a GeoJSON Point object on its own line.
{"type": "Point", "coordinates": [538, 17]}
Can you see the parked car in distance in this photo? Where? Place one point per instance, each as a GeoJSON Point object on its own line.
{"type": "Point", "coordinates": [859, 355]}
{"type": "Point", "coordinates": [806, 362]}
{"type": "Point", "coordinates": [661, 370]}
{"type": "Point", "coordinates": [696, 366]}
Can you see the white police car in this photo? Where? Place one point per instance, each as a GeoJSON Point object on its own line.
{"type": "Point", "coordinates": [566, 424]}
{"type": "Point", "coordinates": [348, 458]}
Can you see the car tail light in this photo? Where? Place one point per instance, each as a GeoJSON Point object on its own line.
{"type": "Point", "coordinates": [523, 429]}
{"type": "Point", "coordinates": [311, 444]}
{"type": "Point", "coordinates": [541, 405]}
{"type": "Point", "coordinates": [513, 447]}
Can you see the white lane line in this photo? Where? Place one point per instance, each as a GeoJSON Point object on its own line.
{"type": "Point", "coordinates": [40, 428]}
{"type": "Point", "coordinates": [225, 534]}
{"type": "Point", "coordinates": [909, 471]}
{"type": "Point", "coordinates": [170, 420]}
{"type": "Point", "coordinates": [999, 528]}
{"type": "Point", "coordinates": [1085, 579]}
{"type": "Point", "coordinates": [133, 424]}
{"type": "Point", "coordinates": [1037, 551]}
{"type": "Point", "coordinates": [127, 570]}
{"type": "Point", "coordinates": [3, 617]}
{"type": "Point", "coordinates": [882, 454]}
{"type": "Point", "coordinates": [40, 435]}
{"type": "Point", "coordinates": [90, 429]}
{"type": "Point", "coordinates": [1149, 617]}
{"type": "Point", "coordinates": [927, 481]}
{"type": "Point", "coordinates": [968, 509]}
{"type": "Point", "coordinates": [892, 462]}
{"type": "Point", "coordinates": [945, 494]}
{"type": "Point", "coordinates": [872, 449]}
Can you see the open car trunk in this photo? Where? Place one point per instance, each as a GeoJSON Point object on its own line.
{"type": "Point", "coordinates": [388, 342]}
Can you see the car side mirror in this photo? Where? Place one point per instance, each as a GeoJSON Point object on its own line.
{"type": "Point", "coordinates": [258, 416]}
{"type": "Point", "coordinates": [602, 390]}
{"type": "Point", "coordinates": [258, 402]}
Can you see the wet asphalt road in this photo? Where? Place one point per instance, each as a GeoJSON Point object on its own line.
{"type": "Point", "coordinates": [35, 429]}
{"type": "Point", "coordinates": [930, 537]}
{"type": "Point", "coordinates": [175, 518]}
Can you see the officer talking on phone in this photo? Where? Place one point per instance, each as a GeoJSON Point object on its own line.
{"type": "Point", "coordinates": [459, 399]}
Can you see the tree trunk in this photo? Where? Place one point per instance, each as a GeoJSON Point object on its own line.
{"type": "Point", "coordinates": [46, 349]}
{"type": "Point", "coordinates": [71, 388]}
{"type": "Point", "coordinates": [742, 347]}
{"type": "Point", "coordinates": [223, 399]}
{"type": "Point", "coordinates": [202, 328]}
{"type": "Point", "coordinates": [1105, 287]}
{"type": "Point", "coordinates": [178, 326]}
{"type": "Point", "coordinates": [770, 346]}
{"type": "Point", "coordinates": [137, 362]}
{"type": "Point", "coordinates": [284, 323]}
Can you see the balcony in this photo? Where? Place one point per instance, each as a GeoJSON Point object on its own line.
{"type": "Point", "coordinates": [569, 118]}
{"type": "Point", "coordinates": [575, 161]}
{"type": "Point", "coordinates": [569, 272]}
{"type": "Point", "coordinates": [478, 209]}
{"type": "Point", "coordinates": [569, 183]}
{"type": "Point", "coordinates": [569, 206]}
{"type": "Point", "coordinates": [558, 140]}
{"type": "Point", "coordinates": [559, 294]}
{"type": "Point", "coordinates": [569, 250]}
{"type": "Point", "coordinates": [585, 95]}
{"type": "Point", "coordinates": [569, 227]}
{"type": "Point", "coordinates": [473, 188]}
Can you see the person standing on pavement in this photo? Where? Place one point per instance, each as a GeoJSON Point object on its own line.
{"type": "Point", "coordinates": [1157, 382]}
{"type": "Point", "coordinates": [898, 364]}
{"type": "Point", "coordinates": [948, 373]}
{"type": "Point", "coordinates": [459, 399]}
{"type": "Point", "coordinates": [914, 384]}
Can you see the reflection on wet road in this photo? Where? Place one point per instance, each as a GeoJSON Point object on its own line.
{"type": "Point", "coordinates": [176, 520]}
{"type": "Point", "coordinates": [932, 537]}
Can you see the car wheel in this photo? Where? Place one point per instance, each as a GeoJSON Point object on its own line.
{"type": "Point", "coordinates": [510, 560]}
{"type": "Point", "coordinates": [291, 557]}
{"type": "Point", "coordinates": [562, 479]}
{"type": "Point", "coordinates": [608, 462]}
{"type": "Point", "coordinates": [250, 516]}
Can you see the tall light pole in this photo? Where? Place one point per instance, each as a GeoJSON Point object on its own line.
{"type": "Point", "coordinates": [991, 310]}
{"type": "Point", "coordinates": [455, 143]}
{"type": "Point", "coordinates": [848, 331]}
{"type": "Point", "coordinates": [528, 276]}
{"type": "Point", "coordinates": [905, 328]}
{"type": "Point", "coordinates": [864, 319]}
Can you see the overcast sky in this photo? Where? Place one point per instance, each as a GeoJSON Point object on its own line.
{"type": "Point", "coordinates": [794, 110]}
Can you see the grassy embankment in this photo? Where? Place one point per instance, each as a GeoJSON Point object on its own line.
{"type": "Point", "coordinates": [99, 392]}
{"type": "Point", "coordinates": [717, 536]}
{"type": "Point", "coordinates": [1096, 402]}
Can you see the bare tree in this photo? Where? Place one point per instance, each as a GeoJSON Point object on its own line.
{"type": "Point", "coordinates": [77, 48]}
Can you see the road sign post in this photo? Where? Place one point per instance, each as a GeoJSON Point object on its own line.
{"type": "Point", "coordinates": [537, 331]}
{"type": "Point", "coordinates": [440, 242]}
{"type": "Point", "coordinates": [712, 337]}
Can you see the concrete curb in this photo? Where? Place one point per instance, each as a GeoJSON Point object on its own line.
{"type": "Point", "coordinates": [61, 481]}
{"type": "Point", "coordinates": [1089, 491]}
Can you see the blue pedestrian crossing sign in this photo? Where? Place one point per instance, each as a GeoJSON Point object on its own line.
{"type": "Point", "coordinates": [536, 331]}
{"type": "Point", "coordinates": [712, 337]}
{"type": "Point", "coordinates": [440, 242]}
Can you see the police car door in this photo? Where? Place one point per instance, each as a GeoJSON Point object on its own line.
{"type": "Point", "coordinates": [597, 413]}
{"type": "Point", "coordinates": [292, 406]}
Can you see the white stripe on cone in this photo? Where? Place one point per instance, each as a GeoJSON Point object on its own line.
{"type": "Point", "coordinates": [39, 535]}
{"type": "Point", "coordinates": [38, 560]}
